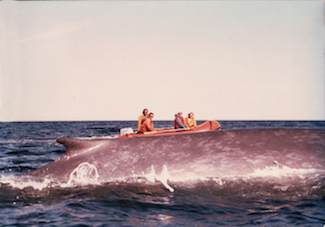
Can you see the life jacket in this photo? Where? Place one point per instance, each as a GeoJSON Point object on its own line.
{"type": "Point", "coordinates": [182, 120]}
{"type": "Point", "coordinates": [143, 118]}
{"type": "Point", "coordinates": [190, 122]}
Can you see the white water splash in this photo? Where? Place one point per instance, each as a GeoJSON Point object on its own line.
{"type": "Point", "coordinates": [84, 174]}
{"type": "Point", "coordinates": [163, 177]}
{"type": "Point", "coordinates": [281, 171]}
{"type": "Point", "coordinates": [87, 174]}
{"type": "Point", "coordinates": [277, 173]}
{"type": "Point", "coordinates": [22, 182]}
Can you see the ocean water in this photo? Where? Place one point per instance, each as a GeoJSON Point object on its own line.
{"type": "Point", "coordinates": [263, 200]}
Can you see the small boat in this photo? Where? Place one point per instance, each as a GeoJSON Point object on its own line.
{"type": "Point", "coordinates": [204, 127]}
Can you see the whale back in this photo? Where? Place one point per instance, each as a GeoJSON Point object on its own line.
{"type": "Point", "coordinates": [207, 154]}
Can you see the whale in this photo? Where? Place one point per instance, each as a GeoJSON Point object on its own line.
{"type": "Point", "coordinates": [208, 154]}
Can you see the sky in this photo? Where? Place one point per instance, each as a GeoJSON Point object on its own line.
{"type": "Point", "coordinates": [108, 60]}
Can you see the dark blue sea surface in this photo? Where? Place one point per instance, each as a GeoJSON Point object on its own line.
{"type": "Point", "coordinates": [27, 146]}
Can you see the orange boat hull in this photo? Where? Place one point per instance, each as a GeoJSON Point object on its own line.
{"type": "Point", "coordinates": [204, 127]}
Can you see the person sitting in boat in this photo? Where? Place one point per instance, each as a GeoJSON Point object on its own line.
{"type": "Point", "coordinates": [179, 121]}
{"type": "Point", "coordinates": [147, 125]}
{"type": "Point", "coordinates": [142, 117]}
{"type": "Point", "coordinates": [190, 120]}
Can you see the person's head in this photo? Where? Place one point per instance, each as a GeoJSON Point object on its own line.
{"type": "Point", "coordinates": [145, 112]}
{"type": "Point", "coordinates": [179, 113]}
{"type": "Point", "coordinates": [151, 115]}
{"type": "Point", "coordinates": [190, 115]}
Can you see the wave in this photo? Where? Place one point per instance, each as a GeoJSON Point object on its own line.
{"type": "Point", "coordinates": [25, 141]}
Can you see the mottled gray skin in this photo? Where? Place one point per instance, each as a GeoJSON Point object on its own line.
{"type": "Point", "coordinates": [208, 154]}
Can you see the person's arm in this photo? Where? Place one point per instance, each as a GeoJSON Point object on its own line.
{"type": "Point", "coordinates": [187, 120]}
{"type": "Point", "coordinates": [150, 127]}
{"type": "Point", "coordinates": [139, 123]}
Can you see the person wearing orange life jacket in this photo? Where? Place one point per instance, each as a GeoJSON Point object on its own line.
{"type": "Point", "coordinates": [190, 120]}
{"type": "Point", "coordinates": [142, 117]}
{"type": "Point", "coordinates": [147, 125]}
{"type": "Point", "coordinates": [179, 121]}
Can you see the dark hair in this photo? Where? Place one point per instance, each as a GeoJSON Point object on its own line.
{"type": "Point", "coordinates": [151, 114]}
{"type": "Point", "coordinates": [145, 110]}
